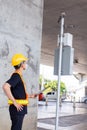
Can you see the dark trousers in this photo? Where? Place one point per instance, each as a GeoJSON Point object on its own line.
{"type": "Point", "coordinates": [17, 121]}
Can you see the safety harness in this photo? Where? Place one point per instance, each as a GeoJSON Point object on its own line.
{"type": "Point", "coordinates": [20, 101]}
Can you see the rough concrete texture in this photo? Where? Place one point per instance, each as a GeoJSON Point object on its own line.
{"type": "Point", "coordinates": [20, 32]}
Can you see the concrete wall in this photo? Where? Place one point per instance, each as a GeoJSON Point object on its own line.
{"type": "Point", "coordinates": [20, 32]}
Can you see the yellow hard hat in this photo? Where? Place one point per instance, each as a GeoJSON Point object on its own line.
{"type": "Point", "coordinates": [18, 58]}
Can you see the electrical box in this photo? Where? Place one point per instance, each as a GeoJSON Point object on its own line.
{"type": "Point", "coordinates": [67, 61]}
{"type": "Point", "coordinates": [67, 39]}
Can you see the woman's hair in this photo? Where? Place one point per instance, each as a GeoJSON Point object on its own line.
{"type": "Point", "coordinates": [18, 66]}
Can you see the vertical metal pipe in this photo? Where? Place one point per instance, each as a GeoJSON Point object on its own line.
{"type": "Point", "coordinates": [59, 68]}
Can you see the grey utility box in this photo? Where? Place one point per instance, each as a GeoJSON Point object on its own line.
{"type": "Point", "coordinates": [67, 61]}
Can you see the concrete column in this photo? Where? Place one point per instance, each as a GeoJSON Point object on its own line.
{"type": "Point", "coordinates": [20, 32]}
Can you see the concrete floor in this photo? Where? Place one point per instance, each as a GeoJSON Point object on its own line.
{"type": "Point", "coordinates": [69, 118]}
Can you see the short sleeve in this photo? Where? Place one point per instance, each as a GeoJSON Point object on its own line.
{"type": "Point", "coordinates": [14, 80]}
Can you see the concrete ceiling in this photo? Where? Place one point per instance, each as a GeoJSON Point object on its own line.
{"type": "Point", "coordinates": [75, 23]}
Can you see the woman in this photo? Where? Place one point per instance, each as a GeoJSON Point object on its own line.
{"type": "Point", "coordinates": [15, 90]}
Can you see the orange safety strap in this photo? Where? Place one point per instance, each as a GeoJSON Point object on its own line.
{"type": "Point", "coordinates": [24, 86]}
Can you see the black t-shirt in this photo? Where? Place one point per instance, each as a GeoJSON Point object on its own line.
{"type": "Point", "coordinates": [18, 91]}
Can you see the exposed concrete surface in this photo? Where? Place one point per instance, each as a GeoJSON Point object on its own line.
{"type": "Point", "coordinates": [69, 118]}
{"type": "Point", "coordinates": [75, 23]}
{"type": "Point", "coordinates": [20, 32]}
